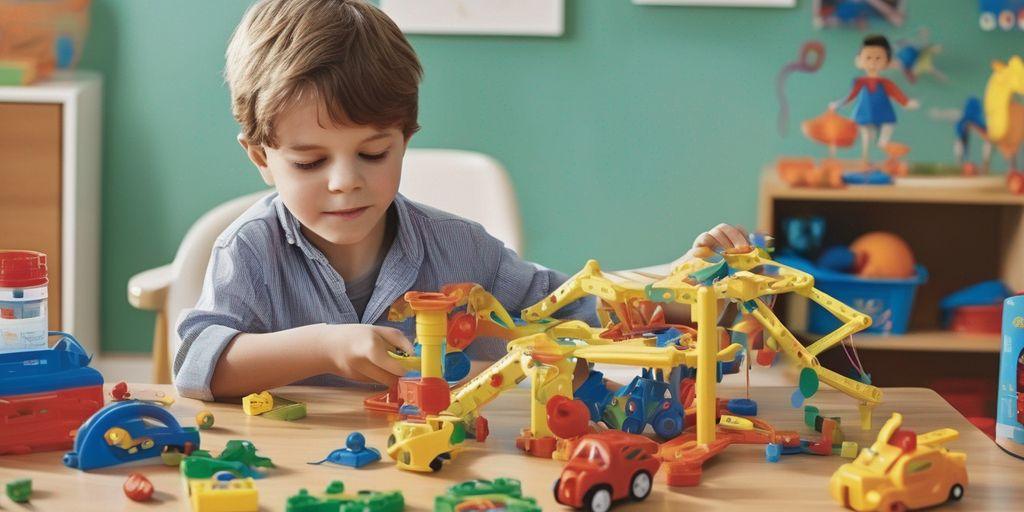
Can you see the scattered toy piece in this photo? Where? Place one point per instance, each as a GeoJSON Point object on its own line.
{"type": "Point", "coordinates": [138, 488]}
{"type": "Point", "coordinates": [204, 420]}
{"type": "Point", "coordinates": [19, 491]}
{"type": "Point", "coordinates": [273, 407]}
{"type": "Point", "coordinates": [335, 498]}
{"type": "Point", "coordinates": [355, 453]}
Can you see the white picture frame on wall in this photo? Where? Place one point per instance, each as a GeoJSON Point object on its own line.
{"type": "Point", "coordinates": [721, 3]}
{"type": "Point", "coordinates": [478, 17]}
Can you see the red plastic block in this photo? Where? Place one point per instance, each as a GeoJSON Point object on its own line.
{"type": "Point", "coordinates": [40, 422]}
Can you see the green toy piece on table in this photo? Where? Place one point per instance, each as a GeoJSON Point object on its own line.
{"type": "Point", "coordinates": [19, 491]}
{"type": "Point", "coordinates": [500, 494]}
{"type": "Point", "coordinates": [334, 499]}
{"type": "Point", "coordinates": [238, 458]}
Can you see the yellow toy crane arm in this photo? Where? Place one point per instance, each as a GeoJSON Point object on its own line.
{"type": "Point", "coordinates": [938, 437]}
{"type": "Point", "coordinates": [588, 281]}
{"type": "Point", "coordinates": [485, 306]}
{"type": "Point", "coordinates": [886, 432]}
{"type": "Point", "coordinates": [649, 357]}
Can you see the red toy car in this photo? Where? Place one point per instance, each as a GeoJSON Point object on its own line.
{"type": "Point", "coordinates": [607, 467]}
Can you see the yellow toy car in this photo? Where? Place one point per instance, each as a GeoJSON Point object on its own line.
{"type": "Point", "coordinates": [902, 471]}
{"type": "Point", "coordinates": [425, 445]}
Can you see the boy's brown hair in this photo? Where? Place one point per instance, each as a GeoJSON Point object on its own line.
{"type": "Point", "coordinates": [347, 52]}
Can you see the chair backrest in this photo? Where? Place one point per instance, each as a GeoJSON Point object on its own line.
{"type": "Point", "coordinates": [468, 184]}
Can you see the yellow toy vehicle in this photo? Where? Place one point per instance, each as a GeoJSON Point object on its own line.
{"type": "Point", "coordinates": [425, 445]}
{"type": "Point", "coordinates": [902, 471]}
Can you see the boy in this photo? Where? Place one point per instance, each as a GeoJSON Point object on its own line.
{"type": "Point", "coordinates": [299, 286]}
{"type": "Point", "coordinates": [873, 110]}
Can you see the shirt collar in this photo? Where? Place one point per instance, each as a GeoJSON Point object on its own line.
{"type": "Point", "coordinates": [401, 263]}
{"type": "Point", "coordinates": [407, 240]}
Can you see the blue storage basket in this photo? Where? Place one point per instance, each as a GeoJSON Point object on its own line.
{"type": "Point", "coordinates": [887, 301]}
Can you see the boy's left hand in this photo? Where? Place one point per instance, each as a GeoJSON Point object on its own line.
{"type": "Point", "coordinates": [719, 238]}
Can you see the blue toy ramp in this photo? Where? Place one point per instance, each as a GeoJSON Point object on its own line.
{"type": "Point", "coordinates": [128, 431]}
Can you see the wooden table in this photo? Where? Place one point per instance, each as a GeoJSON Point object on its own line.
{"type": "Point", "coordinates": [739, 478]}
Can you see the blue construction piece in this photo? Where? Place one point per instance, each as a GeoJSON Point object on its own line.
{"type": "Point", "coordinates": [594, 394]}
{"type": "Point", "coordinates": [872, 177]}
{"type": "Point", "coordinates": [803, 235]}
{"type": "Point", "coordinates": [742, 406]}
{"type": "Point", "coordinates": [647, 403]}
{"type": "Point", "coordinates": [355, 453]}
{"type": "Point", "coordinates": [772, 452]}
{"type": "Point", "coordinates": [668, 337]}
{"type": "Point", "coordinates": [984, 293]}
{"type": "Point", "coordinates": [456, 366]}
{"type": "Point", "coordinates": [150, 428]}
{"type": "Point", "coordinates": [64, 366]}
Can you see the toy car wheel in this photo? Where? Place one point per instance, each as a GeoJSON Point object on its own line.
{"type": "Point", "coordinates": [435, 465]}
{"type": "Point", "coordinates": [896, 506]}
{"type": "Point", "coordinates": [956, 492]}
{"type": "Point", "coordinates": [640, 486]}
{"type": "Point", "coordinates": [391, 440]}
{"type": "Point", "coordinates": [554, 490]}
{"type": "Point", "coordinates": [598, 499]}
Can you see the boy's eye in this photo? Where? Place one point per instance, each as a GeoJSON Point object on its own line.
{"type": "Point", "coordinates": [309, 165]}
{"type": "Point", "coordinates": [373, 156]}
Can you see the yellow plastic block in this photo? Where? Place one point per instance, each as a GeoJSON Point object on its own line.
{"type": "Point", "coordinates": [735, 423]}
{"type": "Point", "coordinates": [849, 450]}
{"type": "Point", "coordinates": [238, 495]}
{"type": "Point", "coordinates": [257, 403]}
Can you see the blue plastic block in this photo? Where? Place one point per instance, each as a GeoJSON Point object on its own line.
{"type": "Point", "coordinates": [355, 453]}
{"type": "Point", "coordinates": [742, 406]}
{"type": "Point", "coordinates": [772, 452]}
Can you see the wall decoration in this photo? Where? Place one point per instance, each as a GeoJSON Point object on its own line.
{"type": "Point", "coordinates": [478, 17]}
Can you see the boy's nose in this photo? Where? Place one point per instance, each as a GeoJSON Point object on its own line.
{"type": "Point", "coordinates": [342, 178]}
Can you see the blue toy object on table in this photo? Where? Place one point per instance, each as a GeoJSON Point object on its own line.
{"type": "Point", "coordinates": [355, 453]}
{"type": "Point", "coordinates": [982, 294]}
{"type": "Point", "coordinates": [872, 177]}
{"type": "Point", "coordinates": [646, 402]}
{"type": "Point", "coordinates": [594, 394]}
{"type": "Point", "coordinates": [126, 432]}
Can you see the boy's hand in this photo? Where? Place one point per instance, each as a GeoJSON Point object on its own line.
{"type": "Point", "coordinates": [360, 351]}
{"type": "Point", "coordinates": [722, 237]}
{"type": "Point", "coordinates": [718, 238]}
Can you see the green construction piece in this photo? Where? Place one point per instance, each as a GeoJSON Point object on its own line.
{"type": "Point", "coordinates": [711, 272]}
{"type": "Point", "coordinates": [334, 499]}
{"type": "Point", "coordinates": [501, 494]}
{"type": "Point", "coordinates": [240, 450]}
{"type": "Point", "coordinates": [238, 458]}
{"type": "Point", "coordinates": [286, 410]}
{"type": "Point", "coordinates": [808, 382]}
{"type": "Point", "coordinates": [19, 491]}
{"type": "Point", "coordinates": [810, 413]}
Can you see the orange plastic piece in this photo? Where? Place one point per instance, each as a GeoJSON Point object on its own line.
{"type": "Point", "coordinates": [831, 129]}
{"type": "Point", "coordinates": [803, 172]}
{"type": "Point", "coordinates": [1015, 182]}
{"type": "Point", "coordinates": [385, 402]}
{"type": "Point", "coordinates": [483, 429]}
{"type": "Point", "coordinates": [429, 394]}
{"type": "Point", "coordinates": [684, 457]}
{"type": "Point", "coordinates": [461, 330]}
{"type": "Point", "coordinates": [430, 301]}
{"type": "Point", "coordinates": [541, 447]}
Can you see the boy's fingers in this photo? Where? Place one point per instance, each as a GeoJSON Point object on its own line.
{"type": "Point", "coordinates": [386, 363]}
{"type": "Point", "coordinates": [396, 338]}
{"type": "Point", "coordinates": [736, 235]}
{"type": "Point", "coordinates": [377, 374]}
{"type": "Point", "coordinates": [706, 240]}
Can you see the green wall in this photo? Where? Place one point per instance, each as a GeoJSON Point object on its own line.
{"type": "Point", "coordinates": [624, 138]}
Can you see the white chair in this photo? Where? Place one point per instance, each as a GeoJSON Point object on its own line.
{"type": "Point", "coordinates": [437, 177]}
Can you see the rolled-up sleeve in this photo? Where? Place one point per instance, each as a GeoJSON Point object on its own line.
{"type": "Point", "coordinates": [518, 284]}
{"type": "Point", "coordinates": [234, 300]}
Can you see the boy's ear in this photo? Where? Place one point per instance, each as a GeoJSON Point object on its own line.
{"type": "Point", "coordinates": [258, 155]}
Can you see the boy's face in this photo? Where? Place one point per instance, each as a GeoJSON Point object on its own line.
{"type": "Point", "coordinates": [338, 180]}
{"type": "Point", "coordinates": [872, 59]}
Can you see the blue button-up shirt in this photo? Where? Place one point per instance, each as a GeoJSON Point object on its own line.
{"type": "Point", "coordinates": [265, 276]}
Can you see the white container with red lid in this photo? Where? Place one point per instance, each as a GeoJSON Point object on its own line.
{"type": "Point", "coordinates": [23, 282]}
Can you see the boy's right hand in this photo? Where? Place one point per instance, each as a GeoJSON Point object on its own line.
{"type": "Point", "coordinates": [360, 351]}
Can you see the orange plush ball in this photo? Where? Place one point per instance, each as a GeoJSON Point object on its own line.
{"type": "Point", "coordinates": [883, 255]}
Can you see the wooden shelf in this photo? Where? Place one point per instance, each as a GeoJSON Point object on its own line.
{"type": "Point", "coordinates": [928, 341]}
{"type": "Point", "coordinates": [772, 186]}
